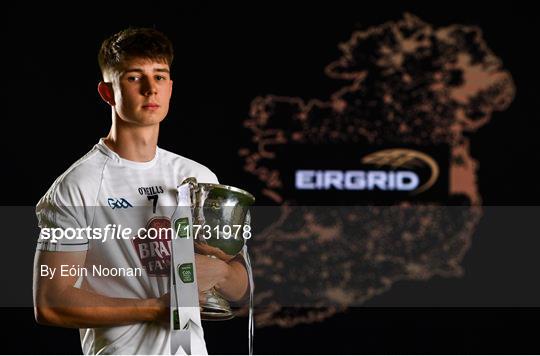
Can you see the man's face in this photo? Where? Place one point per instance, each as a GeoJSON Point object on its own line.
{"type": "Point", "coordinates": [142, 91]}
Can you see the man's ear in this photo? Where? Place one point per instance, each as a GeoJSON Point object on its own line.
{"type": "Point", "coordinates": [106, 92]}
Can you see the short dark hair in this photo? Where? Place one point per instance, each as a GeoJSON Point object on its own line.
{"type": "Point", "coordinates": [134, 43]}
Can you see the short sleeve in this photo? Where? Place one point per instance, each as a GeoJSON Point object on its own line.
{"type": "Point", "coordinates": [62, 221]}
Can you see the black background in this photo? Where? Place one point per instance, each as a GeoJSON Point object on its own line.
{"type": "Point", "coordinates": [227, 55]}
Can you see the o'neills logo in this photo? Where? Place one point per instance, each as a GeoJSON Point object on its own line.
{"type": "Point", "coordinates": [396, 169]}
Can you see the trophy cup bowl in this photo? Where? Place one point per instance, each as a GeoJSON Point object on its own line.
{"type": "Point", "coordinates": [221, 226]}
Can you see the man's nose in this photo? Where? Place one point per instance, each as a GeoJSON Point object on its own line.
{"type": "Point", "coordinates": [149, 87]}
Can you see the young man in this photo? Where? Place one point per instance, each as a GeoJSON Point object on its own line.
{"type": "Point", "coordinates": [128, 181]}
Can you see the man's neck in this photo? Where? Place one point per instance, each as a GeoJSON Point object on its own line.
{"type": "Point", "coordinates": [134, 143]}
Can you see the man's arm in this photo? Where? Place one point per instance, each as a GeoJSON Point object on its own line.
{"type": "Point", "coordinates": [57, 302]}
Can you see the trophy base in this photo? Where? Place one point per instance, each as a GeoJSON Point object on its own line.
{"type": "Point", "coordinates": [215, 308]}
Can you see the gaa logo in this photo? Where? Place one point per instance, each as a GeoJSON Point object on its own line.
{"type": "Point", "coordinates": [120, 203]}
{"type": "Point", "coordinates": [185, 271]}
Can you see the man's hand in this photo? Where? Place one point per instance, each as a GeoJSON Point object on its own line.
{"type": "Point", "coordinates": [211, 272]}
{"type": "Point", "coordinates": [229, 278]}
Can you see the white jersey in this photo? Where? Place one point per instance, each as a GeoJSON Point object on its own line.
{"type": "Point", "coordinates": [112, 190]}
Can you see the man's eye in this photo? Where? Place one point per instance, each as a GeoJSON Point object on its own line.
{"type": "Point", "coordinates": [132, 79]}
{"type": "Point", "coordinates": [160, 77]}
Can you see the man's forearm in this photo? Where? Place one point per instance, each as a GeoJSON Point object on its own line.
{"type": "Point", "coordinates": [77, 308]}
{"type": "Point", "coordinates": [235, 283]}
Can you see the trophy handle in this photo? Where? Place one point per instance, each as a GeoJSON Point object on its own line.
{"type": "Point", "coordinates": [193, 189]}
{"type": "Point", "coordinates": [191, 180]}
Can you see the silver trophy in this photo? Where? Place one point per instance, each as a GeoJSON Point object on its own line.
{"type": "Point", "coordinates": [221, 226]}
